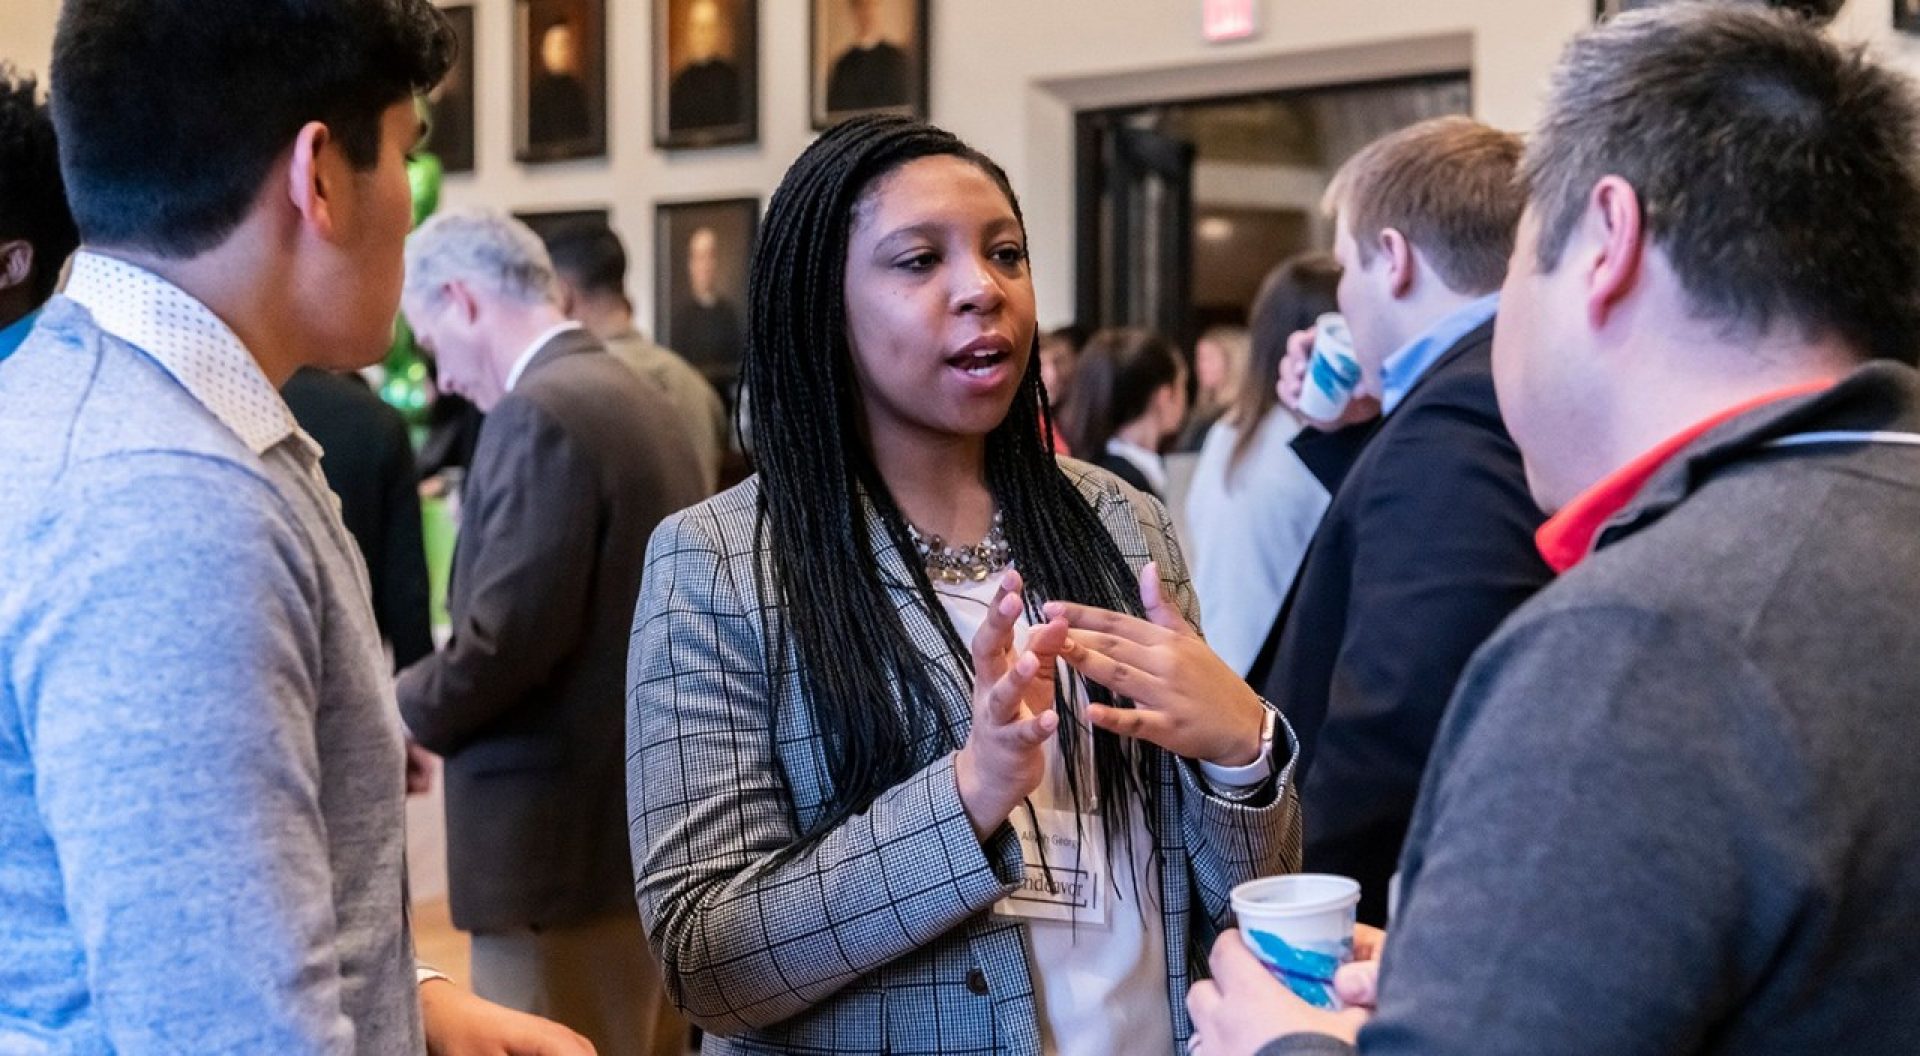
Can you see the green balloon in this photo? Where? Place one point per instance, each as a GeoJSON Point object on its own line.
{"type": "Point", "coordinates": [424, 175]}
{"type": "Point", "coordinates": [405, 387]}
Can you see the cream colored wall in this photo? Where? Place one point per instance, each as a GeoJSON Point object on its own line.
{"type": "Point", "coordinates": [26, 33]}
{"type": "Point", "coordinates": [1005, 75]}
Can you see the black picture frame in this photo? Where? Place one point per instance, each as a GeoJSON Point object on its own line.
{"type": "Point", "coordinates": [707, 328]}
{"type": "Point", "coordinates": [559, 114]}
{"type": "Point", "coordinates": [1605, 9]}
{"type": "Point", "coordinates": [1906, 16]}
{"type": "Point", "coordinates": [714, 103]}
{"type": "Point", "coordinates": [831, 28]}
{"type": "Point", "coordinates": [451, 102]}
{"type": "Point", "coordinates": [546, 222]}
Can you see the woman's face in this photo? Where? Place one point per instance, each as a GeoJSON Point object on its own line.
{"type": "Point", "coordinates": [1056, 367]}
{"type": "Point", "coordinates": [1210, 368]}
{"type": "Point", "coordinates": [939, 302]}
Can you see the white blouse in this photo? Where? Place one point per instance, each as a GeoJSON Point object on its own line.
{"type": "Point", "coordinates": [1100, 982]}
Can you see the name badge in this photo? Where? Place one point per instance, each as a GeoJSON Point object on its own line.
{"type": "Point", "coordinates": [1072, 885]}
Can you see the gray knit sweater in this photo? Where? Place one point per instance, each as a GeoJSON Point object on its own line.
{"type": "Point", "coordinates": [1672, 809]}
{"type": "Point", "coordinates": [201, 829]}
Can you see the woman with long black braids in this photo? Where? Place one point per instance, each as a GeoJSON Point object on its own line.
{"type": "Point", "coordinates": [871, 812]}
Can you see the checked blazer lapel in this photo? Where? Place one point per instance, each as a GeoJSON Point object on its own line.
{"type": "Point", "coordinates": [956, 703]}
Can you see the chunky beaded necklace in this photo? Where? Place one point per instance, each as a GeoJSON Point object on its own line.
{"type": "Point", "coordinates": [955, 564]}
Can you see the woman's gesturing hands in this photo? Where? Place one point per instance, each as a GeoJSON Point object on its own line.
{"type": "Point", "coordinates": [1186, 699]}
{"type": "Point", "coordinates": [1013, 717]}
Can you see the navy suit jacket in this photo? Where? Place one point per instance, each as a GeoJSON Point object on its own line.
{"type": "Point", "coordinates": [1425, 549]}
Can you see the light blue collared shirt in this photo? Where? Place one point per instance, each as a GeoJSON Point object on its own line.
{"type": "Point", "coordinates": [1404, 369]}
{"type": "Point", "coordinates": [12, 336]}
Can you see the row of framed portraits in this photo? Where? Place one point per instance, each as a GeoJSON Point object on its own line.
{"type": "Point", "coordinates": [867, 56]}
{"type": "Point", "coordinates": [1906, 13]}
{"type": "Point", "coordinates": [701, 253]}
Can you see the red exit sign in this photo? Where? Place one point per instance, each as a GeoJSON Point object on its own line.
{"type": "Point", "coordinates": [1228, 20]}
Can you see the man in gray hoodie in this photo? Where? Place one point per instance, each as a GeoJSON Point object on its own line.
{"type": "Point", "coordinates": [1670, 810]}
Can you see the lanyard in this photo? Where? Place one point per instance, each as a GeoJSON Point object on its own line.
{"type": "Point", "coordinates": [1845, 436]}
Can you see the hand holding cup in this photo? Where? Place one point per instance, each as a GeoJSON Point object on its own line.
{"type": "Point", "coordinates": [1320, 379]}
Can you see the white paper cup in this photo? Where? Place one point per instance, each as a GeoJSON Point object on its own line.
{"type": "Point", "coordinates": [1301, 928]}
{"type": "Point", "coordinates": [1332, 371]}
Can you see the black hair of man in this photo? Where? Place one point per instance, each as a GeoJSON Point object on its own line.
{"type": "Point", "coordinates": [1819, 12]}
{"type": "Point", "coordinates": [33, 201]}
{"type": "Point", "coordinates": [1074, 334]}
{"type": "Point", "coordinates": [1777, 170]}
{"type": "Point", "coordinates": [589, 255]}
{"type": "Point", "coordinates": [171, 113]}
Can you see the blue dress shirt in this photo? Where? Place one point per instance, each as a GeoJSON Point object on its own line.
{"type": "Point", "coordinates": [1404, 369]}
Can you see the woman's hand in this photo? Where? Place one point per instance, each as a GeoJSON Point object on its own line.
{"type": "Point", "coordinates": [1186, 699]}
{"type": "Point", "coordinates": [1013, 717]}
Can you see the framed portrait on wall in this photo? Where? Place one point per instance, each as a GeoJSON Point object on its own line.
{"type": "Point", "coordinates": [450, 104]}
{"type": "Point", "coordinates": [560, 79]}
{"type": "Point", "coordinates": [869, 56]}
{"type": "Point", "coordinates": [700, 258]}
{"type": "Point", "coordinates": [1906, 16]}
{"type": "Point", "coordinates": [548, 222]}
{"type": "Point", "coordinates": [706, 72]}
{"type": "Point", "coordinates": [1605, 9]}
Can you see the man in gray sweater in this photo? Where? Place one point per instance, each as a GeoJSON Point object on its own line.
{"type": "Point", "coordinates": [201, 825]}
{"type": "Point", "coordinates": [1670, 810]}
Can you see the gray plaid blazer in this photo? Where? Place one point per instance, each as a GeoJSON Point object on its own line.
{"type": "Point", "coordinates": [878, 938]}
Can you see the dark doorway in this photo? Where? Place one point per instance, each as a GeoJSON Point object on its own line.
{"type": "Point", "coordinates": [1182, 207]}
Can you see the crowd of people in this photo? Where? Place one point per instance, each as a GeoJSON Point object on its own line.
{"type": "Point", "coordinates": [1586, 638]}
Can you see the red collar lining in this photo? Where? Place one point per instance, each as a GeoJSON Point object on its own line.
{"type": "Point", "coordinates": [1568, 537]}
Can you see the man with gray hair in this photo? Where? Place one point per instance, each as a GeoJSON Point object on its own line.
{"type": "Point", "coordinates": [578, 461]}
{"type": "Point", "coordinates": [1670, 810]}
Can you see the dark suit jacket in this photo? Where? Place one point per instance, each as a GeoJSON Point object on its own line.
{"type": "Point", "coordinates": [1127, 471]}
{"type": "Point", "coordinates": [869, 78]}
{"type": "Point", "coordinates": [1426, 548]}
{"type": "Point", "coordinates": [1329, 456]}
{"type": "Point", "coordinates": [369, 464]}
{"type": "Point", "coordinates": [574, 469]}
{"type": "Point", "coordinates": [705, 95]}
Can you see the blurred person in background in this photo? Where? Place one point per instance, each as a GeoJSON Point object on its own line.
{"type": "Point", "coordinates": [1253, 507]}
{"type": "Point", "coordinates": [1059, 351]}
{"type": "Point", "coordinates": [592, 266]}
{"type": "Point", "coordinates": [1129, 398]}
{"type": "Point", "coordinates": [578, 459]}
{"type": "Point", "coordinates": [1219, 366]}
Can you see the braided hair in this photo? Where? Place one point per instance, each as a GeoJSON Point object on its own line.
{"type": "Point", "coordinates": [871, 693]}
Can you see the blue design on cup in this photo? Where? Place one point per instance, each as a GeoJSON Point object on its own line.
{"type": "Point", "coordinates": [1306, 972]}
{"type": "Point", "coordinates": [1334, 376]}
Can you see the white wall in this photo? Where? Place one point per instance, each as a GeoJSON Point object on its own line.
{"type": "Point", "coordinates": [26, 33]}
{"type": "Point", "coordinates": [1004, 72]}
